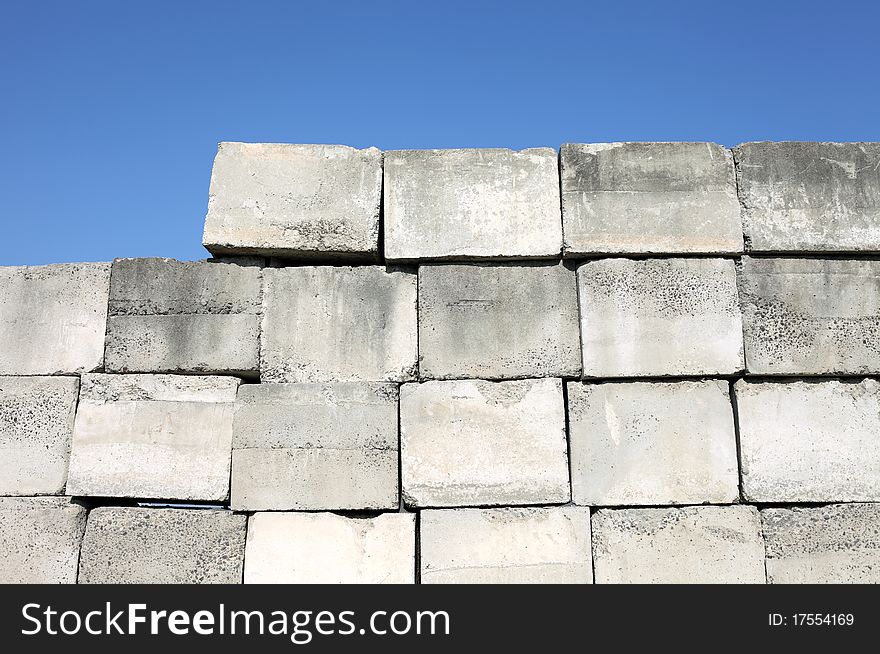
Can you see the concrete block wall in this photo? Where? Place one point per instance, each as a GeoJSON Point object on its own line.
{"type": "Point", "coordinates": [618, 363]}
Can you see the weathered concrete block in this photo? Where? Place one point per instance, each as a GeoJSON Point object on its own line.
{"type": "Point", "coordinates": [303, 201]}
{"type": "Point", "coordinates": [498, 321]}
{"type": "Point", "coordinates": [649, 198]}
{"type": "Point", "coordinates": [324, 548]}
{"type": "Point", "coordinates": [315, 446]}
{"type": "Point", "coordinates": [472, 204]}
{"type": "Point", "coordinates": [53, 318]}
{"type": "Point", "coordinates": [837, 544]}
{"type": "Point", "coordinates": [495, 546]}
{"type": "Point", "coordinates": [132, 545]}
{"type": "Point", "coordinates": [649, 443]}
{"type": "Point", "coordinates": [153, 436]}
{"type": "Point", "coordinates": [659, 317]}
{"type": "Point", "coordinates": [475, 443]}
{"type": "Point", "coordinates": [810, 197]}
{"type": "Point", "coordinates": [810, 441]}
{"type": "Point", "coordinates": [690, 545]}
{"type": "Point", "coordinates": [40, 539]}
{"type": "Point", "coordinates": [811, 316]}
{"type": "Point", "coordinates": [323, 324]}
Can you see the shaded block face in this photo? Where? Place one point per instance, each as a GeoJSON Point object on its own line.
{"type": "Point", "coordinates": [132, 545]}
{"type": "Point", "coordinates": [475, 443]}
{"type": "Point", "coordinates": [53, 318]}
{"type": "Point", "coordinates": [514, 546]}
{"type": "Point", "coordinates": [472, 204]}
{"type": "Point", "coordinates": [302, 201]}
{"type": "Point", "coordinates": [810, 197]}
{"type": "Point", "coordinates": [644, 198]}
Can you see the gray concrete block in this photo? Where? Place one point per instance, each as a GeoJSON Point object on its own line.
{"type": "Point", "coordinates": [647, 443]}
{"type": "Point", "coordinates": [153, 436]}
{"type": "Point", "coordinates": [643, 198]}
{"type": "Point", "coordinates": [481, 443]}
{"type": "Point", "coordinates": [53, 318]}
{"type": "Point", "coordinates": [472, 204]}
{"type": "Point", "coordinates": [138, 545]}
{"type": "Point", "coordinates": [659, 317]}
{"type": "Point", "coordinates": [304, 201]}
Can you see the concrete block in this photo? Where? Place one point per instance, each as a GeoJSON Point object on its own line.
{"type": "Point", "coordinates": [153, 436]}
{"type": "Point", "coordinates": [472, 204]}
{"type": "Point", "coordinates": [304, 201]}
{"type": "Point", "coordinates": [659, 317]}
{"type": "Point", "coordinates": [325, 324]}
{"type": "Point", "coordinates": [137, 545]}
{"type": "Point", "coordinates": [324, 548]}
{"type": "Point", "coordinates": [810, 441]}
{"type": "Point", "coordinates": [53, 318]}
{"type": "Point", "coordinates": [40, 539]}
{"type": "Point", "coordinates": [643, 198]}
{"type": "Point", "coordinates": [481, 443]}
{"type": "Point", "coordinates": [513, 546]}
{"type": "Point", "coordinates": [690, 545]}
{"type": "Point", "coordinates": [315, 446]}
{"type": "Point", "coordinates": [810, 197]}
{"type": "Point", "coordinates": [647, 443]}
{"type": "Point", "coordinates": [811, 316]}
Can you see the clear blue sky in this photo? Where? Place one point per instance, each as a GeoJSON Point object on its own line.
{"type": "Point", "coordinates": [111, 111]}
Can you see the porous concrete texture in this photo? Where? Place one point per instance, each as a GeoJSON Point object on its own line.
{"type": "Point", "coordinates": [153, 436]}
{"type": "Point", "coordinates": [304, 201]}
{"type": "Point", "coordinates": [315, 446]}
{"type": "Point", "coordinates": [811, 441]}
{"type": "Point", "coordinates": [810, 197]}
{"type": "Point", "coordinates": [659, 317]}
{"type": "Point", "coordinates": [483, 443]}
{"type": "Point", "coordinates": [40, 539]}
{"type": "Point", "coordinates": [690, 545]}
{"type": "Point", "coordinates": [837, 544]}
{"type": "Point", "coordinates": [472, 204]}
{"type": "Point", "coordinates": [139, 545]}
{"type": "Point", "coordinates": [513, 546]}
{"type": "Point", "coordinates": [326, 324]}
{"type": "Point", "coordinates": [325, 548]}
{"type": "Point", "coordinates": [644, 198]}
{"type": "Point", "coordinates": [646, 443]}
{"type": "Point", "coordinates": [811, 316]}
{"type": "Point", "coordinates": [498, 321]}
{"type": "Point", "coordinates": [53, 318]}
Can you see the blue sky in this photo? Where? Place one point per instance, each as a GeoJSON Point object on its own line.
{"type": "Point", "coordinates": [111, 111]}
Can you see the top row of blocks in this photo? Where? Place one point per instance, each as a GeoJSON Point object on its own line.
{"type": "Point", "coordinates": [325, 201]}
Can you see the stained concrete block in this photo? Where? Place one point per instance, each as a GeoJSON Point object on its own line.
{"type": "Point", "coordinates": [642, 198]}
{"type": "Point", "coordinates": [40, 539]}
{"type": "Point", "coordinates": [690, 545]}
{"type": "Point", "coordinates": [137, 545]}
{"type": "Point", "coordinates": [810, 197]}
{"type": "Point", "coordinates": [53, 318]}
{"type": "Point", "coordinates": [153, 436]}
{"type": "Point", "coordinates": [837, 544]}
{"type": "Point", "coordinates": [659, 317]}
{"type": "Point", "coordinates": [647, 443]}
{"type": "Point", "coordinates": [315, 446]}
{"type": "Point", "coordinates": [498, 321]}
{"type": "Point", "coordinates": [472, 204]}
{"type": "Point", "coordinates": [325, 324]}
{"type": "Point", "coordinates": [324, 548]}
{"type": "Point", "coordinates": [811, 316]}
{"type": "Point", "coordinates": [481, 443]}
{"type": "Point", "coordinates": [183, 316]}
{"type": "Point", "coordinates": [810, 441]}
{"type": "Point", "coordinates": [304, 201]}
{"type": "Point", "coordinates": [495, 546]}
